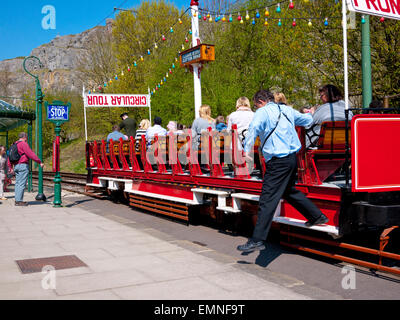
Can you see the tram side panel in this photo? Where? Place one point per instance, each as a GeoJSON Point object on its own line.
{"type": "Point", "coordinates": [374, 199]}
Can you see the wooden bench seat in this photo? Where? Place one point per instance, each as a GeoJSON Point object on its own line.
{"type": "Point", "coordinates": [318, 164]}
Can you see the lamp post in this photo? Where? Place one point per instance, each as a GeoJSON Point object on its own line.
{"type": "Point", "coordinates": [366, 63]}
{"type": "Point", "coordinates": [39, 106]}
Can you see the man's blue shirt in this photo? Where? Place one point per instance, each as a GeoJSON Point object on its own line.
{"type": "Point", "coordinates": [284, 140]}
{"type": "Point", "coordinates": [115, 135]}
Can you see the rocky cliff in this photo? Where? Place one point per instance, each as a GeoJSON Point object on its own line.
{"type": "Point", "coordinates": [60, 60]}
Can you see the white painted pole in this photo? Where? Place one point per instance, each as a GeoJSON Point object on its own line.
{"type": "Point", "coordinates": [345, 69]}
{"type": "Point", "coordinates": [149, 105]}
{"type": "Point", "coordinates": [84, 111]}
{"type": "Point", "coordinates": [196, 41]}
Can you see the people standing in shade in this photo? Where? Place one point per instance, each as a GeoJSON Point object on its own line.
{"type": "Point", "coordinates": [201, 124]}
{"type": "Point", "coordinates": [128, 124]}
{"type": "Point", "coordinates": [3, 171]}
{"type": "Point", "coordinates": [21, 167]}
{"type": "Point", "coordinates": [275, 125]}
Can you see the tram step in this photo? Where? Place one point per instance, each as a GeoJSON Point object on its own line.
{"type": "Point", "coordinates": [95, 185]}
{"type": "Point", "coordinates": [246, 196]}
{"type": "Point", "coordinates": [331, 230]}
{"type": "Point", "coordinates": [222, 195]}
{"type": "Point", "coordinates": [229, 209]}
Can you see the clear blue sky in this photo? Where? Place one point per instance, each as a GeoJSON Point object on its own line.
{"type": "Point", "coordinates": [21, 22]}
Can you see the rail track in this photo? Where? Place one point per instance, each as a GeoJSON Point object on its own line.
{"type": "Point", "coordinates": [73, 182]}
{"type": "Point", "coordinates": [369, 253]}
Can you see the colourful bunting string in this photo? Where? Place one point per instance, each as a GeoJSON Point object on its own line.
{"type": "Point", "coordinates": [148, 52]}
{"type": "Point", "coordinates": [206, 15]}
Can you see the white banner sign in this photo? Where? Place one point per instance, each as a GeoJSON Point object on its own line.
{"type": "Point", "coordinates": [382, 8]}
{"type": "Point", "coordinates": [117, 100]}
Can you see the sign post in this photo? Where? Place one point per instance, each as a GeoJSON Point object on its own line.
{"type": "Point", "coordinates": [93, 100]}
{"type": "Point", "coordinates": [58, 113]}
{"type": "Point", "coordinates": [384, 9]}
{"type": "Point", "coordinates": [194, 5]}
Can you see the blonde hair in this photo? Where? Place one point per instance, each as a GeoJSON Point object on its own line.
{"type": "Point", "coordinates": [144, 124]}
{"type": "Point", "coordinates": [280, 97]}
{"type": "Point", "coordinates": [205, 112]}
{"type": "Point", "coordinates": [243, 102]}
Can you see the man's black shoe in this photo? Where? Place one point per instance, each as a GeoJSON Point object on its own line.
{"type": "Point", "coordinates": [251, 245]}
{"type": "Point", "coordinates": [321, 220]}
{"type": "Point", "coordinates": [21, 203]}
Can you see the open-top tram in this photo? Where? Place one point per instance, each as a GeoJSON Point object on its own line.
{"type": "Point", "coordinates": [351, 173]}
{"type": "Point", "coordinates": [170, 176]}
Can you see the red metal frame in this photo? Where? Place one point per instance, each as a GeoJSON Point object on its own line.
{"type": "Point", "coordinates": [375, 152]}
{"type": "Point", "coordinates": [312, 171]}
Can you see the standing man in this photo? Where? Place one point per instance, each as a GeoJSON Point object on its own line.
{"type": "Point", "coordinates": [129, 124]}
{"type": "Point", "coordinates": [21, 167]}
{"type": "Point", "coordinates": [275, 125]}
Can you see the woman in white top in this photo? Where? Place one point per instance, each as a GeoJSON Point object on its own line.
{"type": "Point", "coordinates": [242, 117]}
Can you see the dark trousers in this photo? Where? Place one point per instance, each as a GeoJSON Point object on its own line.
{"type": "Point", "coordinates": [279, 182]}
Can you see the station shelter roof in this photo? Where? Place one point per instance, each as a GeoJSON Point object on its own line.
{"type": "Point", "coordinates": [12, 117]}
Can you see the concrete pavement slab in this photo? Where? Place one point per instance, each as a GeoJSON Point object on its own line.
{"type": "Point", "coordinates": [100, 281]}
{"type": "Point", "coordinates": [124, 260]}
{"type": "Point", "coordinates": [193, 288]}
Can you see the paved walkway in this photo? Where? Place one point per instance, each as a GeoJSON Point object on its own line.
{"type": "Point", "coordinates": [123, 262]}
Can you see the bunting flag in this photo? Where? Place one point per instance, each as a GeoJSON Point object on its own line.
{"type": "Point", "coordinates": [140, 58]}
{"type": "Point", "coordinates": [267, 15]}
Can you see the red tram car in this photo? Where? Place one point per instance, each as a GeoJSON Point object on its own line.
{"type": "Point", "coordinates": [352, 175]}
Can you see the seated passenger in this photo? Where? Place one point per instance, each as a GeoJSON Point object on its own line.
{"type": "Point", "coordinates": [280, 98]}
{"type": "Point", "coordinates": [180, 129]}
{"type": "Point", "coordinates": [220, 123]}
{"type": "Point", "coordinates": [332, 110]}
{"type": "Point", "coordinates": [375, 104]}
{"type": "Point", "coordinates": [156, 129]}
{"type": "Point", "coordinates": [242, 117]}
{"type": "Point", "coordinates": [143, 126]}
{"type": "Point", "coordinates": [201, 124]}
{"type": "Point", "coordinates": [115, 135]}
{"type": "Point", "coordinates": [171, 126]}
{"type": "Point", "coordinates": [306, 109]}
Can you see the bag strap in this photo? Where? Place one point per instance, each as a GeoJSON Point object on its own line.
{"type": "Point", "coordinates": [272, 131]}
{"type": "Point", "coordinates": [332, 115]}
